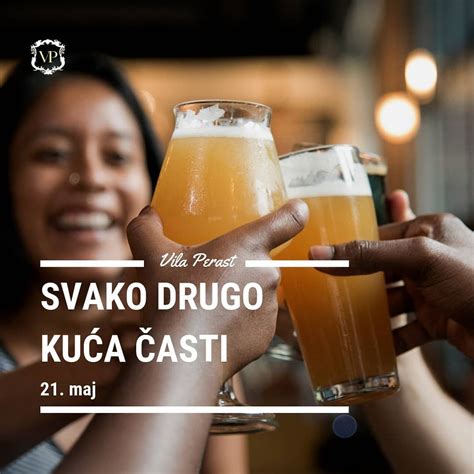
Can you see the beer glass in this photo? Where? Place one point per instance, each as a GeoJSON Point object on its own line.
{"type": "Point", "coordinates": [376, 168]}
{"type": "Point", "coordinates": [221, 171]}
{"type": "Point", "coordinates": [342, 323]}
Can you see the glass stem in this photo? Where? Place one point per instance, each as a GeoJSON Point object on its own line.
{"type": "Point", "coordinates": [226, 393]}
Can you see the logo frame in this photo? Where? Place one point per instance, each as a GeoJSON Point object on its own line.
{"type": "Point", "coordinates": [34, 52]}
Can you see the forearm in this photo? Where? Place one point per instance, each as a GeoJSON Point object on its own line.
{"type": "Point", "coordinates": [223, 452]}
{"type": "Point", "coordinates": [168, 443]}
{"type": "Point", "coordinates": [422, 429]}
{"type": "Point", "coordinates": [230, 450]}
{"type": "Point", "coordinates": [22, 425]}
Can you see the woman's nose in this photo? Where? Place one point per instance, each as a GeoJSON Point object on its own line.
{"type": "Point", "coordinates": [89, 172]}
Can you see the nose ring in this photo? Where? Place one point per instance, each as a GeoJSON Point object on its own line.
{"type": "Point", "coordinates": [74, 178]}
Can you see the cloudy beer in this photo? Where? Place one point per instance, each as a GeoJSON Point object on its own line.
{"type": "Point", "coordinates": [221, 171]}
{"type": "Point", "coordinates": [215, 180]}
{"type": "Point", "coordinates": [342, 322]}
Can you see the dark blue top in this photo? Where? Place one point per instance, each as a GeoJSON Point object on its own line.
{"type": "Point", "coordinates": [44, 457]}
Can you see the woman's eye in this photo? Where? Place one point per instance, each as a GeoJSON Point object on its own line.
{"type": "Point", "coordinates": [51, 155]}
{"type": "Point", "coordinates": [117, 158]}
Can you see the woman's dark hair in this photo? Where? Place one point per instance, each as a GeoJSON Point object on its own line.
{"type": "Point", "coordinates": [22, 87]}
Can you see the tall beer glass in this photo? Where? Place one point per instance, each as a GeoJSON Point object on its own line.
{"type": "Point", "coordinates": [221, 171]}
{"type": "Point", "coordinates": [342, 323]}
{"type": "Point", "coordinates": [376, 168]}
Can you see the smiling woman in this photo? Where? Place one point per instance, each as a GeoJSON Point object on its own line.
{"type": "Point", "coordinates": [77, 150]}
{"type": "Point", "coordinates": [78, 174]}
{"type": "Point", "coordinates": [82, 163]}
{"type": "Point", "coordinates": [79, 160]}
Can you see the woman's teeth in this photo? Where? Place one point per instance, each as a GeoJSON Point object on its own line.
{"type": "Point", "coordinates": [84, 221]}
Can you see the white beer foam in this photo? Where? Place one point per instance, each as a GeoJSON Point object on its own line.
{"type": "Point", "coordinates": [331, 172]}
{"type": "Point", "coordinates": [227, 131]}
{"type": "Point", "coordinates": [203, 124]}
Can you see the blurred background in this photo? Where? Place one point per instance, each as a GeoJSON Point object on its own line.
{"type": "Point", "coordinates": [322, 65]}
{"type": "Point", "coordinates": [395, 77]}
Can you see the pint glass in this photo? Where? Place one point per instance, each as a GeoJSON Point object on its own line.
{"type": "Point", "coordinates": [342, 323]}
{"type": "Point", "coordinates": [376, 168]}
{"type": "Point", "coordinates": [221, 171]}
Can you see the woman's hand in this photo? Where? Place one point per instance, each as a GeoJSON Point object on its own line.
{"type": "Point", "coordinates": [434, 256]}
{"type": "Point", "coordinates": [249, 332]}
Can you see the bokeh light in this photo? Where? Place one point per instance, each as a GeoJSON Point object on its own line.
{"type": "Point", "coordinates": [397, 117]}
{"type": "Point", "coordinates": [421, 74]}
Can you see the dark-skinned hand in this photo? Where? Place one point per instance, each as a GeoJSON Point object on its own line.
{"type": "Point", "coordinates": [434, 256]}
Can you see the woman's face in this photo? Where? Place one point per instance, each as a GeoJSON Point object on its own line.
{"type": "Point", "coordinates": [78, 175]}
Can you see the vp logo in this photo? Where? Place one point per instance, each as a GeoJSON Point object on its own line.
{"type": "Point", "coordinates": [48, 56]}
